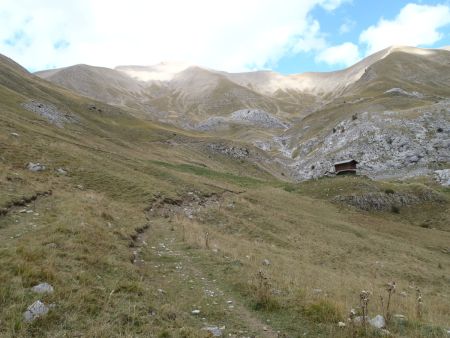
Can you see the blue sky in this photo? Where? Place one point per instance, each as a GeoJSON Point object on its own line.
{"type": "Point", "coordinates": [346, 24]}
{"type": "Point", "coordinates": [288, 36]}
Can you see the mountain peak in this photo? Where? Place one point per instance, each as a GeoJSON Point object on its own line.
{"type": "Point", "coordinates": [163, 71]}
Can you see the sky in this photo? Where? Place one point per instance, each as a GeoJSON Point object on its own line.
{"type": "Point", "coordinates": [287, 36]}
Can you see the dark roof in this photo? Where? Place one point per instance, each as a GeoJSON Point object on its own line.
{"type": "Point", "coordinates": [346, 161]}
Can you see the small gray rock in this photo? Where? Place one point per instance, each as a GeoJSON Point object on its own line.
{"type": "Point", "coordinates": [42, 288]}
{"type": "Point", "coordinates": [14, 134]}
{"type": "Point", "coordinates": [266, 262]}
{"type": "Point", "coordinates": [61, 171]}
{"type": "Point", "coordinates": [35, 167]}
{"type": "Point", "coordinates": [35, 310]}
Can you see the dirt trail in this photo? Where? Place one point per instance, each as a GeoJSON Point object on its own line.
{"type": "Point", "coordinates": [148, 237]}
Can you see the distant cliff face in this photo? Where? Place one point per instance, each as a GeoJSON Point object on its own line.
{"type": "Point", "coordinates": [386, 143]}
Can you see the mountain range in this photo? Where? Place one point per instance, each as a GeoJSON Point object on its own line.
{"type": "Point", "coordinates": [384, 111]}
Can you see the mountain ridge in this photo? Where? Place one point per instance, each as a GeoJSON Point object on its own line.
{"type": "Point", "coordinates": [289, 116]}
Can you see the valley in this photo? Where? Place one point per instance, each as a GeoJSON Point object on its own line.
{"type": "Point", "coordinates": [187, 202]}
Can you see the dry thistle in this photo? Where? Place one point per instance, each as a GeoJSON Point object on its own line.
{"type": "Point", "coordinates": [390, 288]}
{"type": "Point", "coordinates": [263, 293]}
{"type": "Point", "coordinates": [351, 319]}
{"type": "Point", "coordinates": [419, 304]}
{"type": "Point", "coordinates": [364, 297]}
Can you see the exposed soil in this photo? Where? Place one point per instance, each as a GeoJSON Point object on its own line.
{"type": "Point", "coordinates": [23, 201]}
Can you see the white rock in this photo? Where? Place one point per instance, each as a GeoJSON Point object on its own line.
{"type": "Point", "coordinates": [213, 330]}
{"type": "Point", "coordinates": [35, 167]}
{"type": "Point", "coordinates": [195, 312]}
{"type": "Point", "coordinates": [15, 134]}
{"type": "Point", "coordinates": [443, 177]}
{"type": "Point", "coordinates": [35, 310]}
{"type": "Point", "coordinates": [61, 171]}
{"type": "Point", "coordinates": [341, 324]}
{"type": "Point", "coordinates": [42, 288]}
{"type": "Point", "coordinates": [400, 317]}
{"type": "Point", "coordinates": [378, 322]}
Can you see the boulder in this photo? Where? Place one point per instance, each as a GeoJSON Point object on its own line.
{"type": "Point", "coordinates": [35, 310]}
{"type": "Point", "coordinates": [42, 288]}
{"type": "Point", "coordinates": [378, 322]}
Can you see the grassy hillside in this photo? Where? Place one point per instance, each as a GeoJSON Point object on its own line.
{"type": "Point", "coordinates": [149, 224]}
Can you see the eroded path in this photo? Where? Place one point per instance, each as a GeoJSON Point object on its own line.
{"type": "Point", "coordinates": [163, 257]}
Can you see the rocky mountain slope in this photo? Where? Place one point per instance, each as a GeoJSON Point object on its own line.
{"type": "Point", "coordinates": [389, 111]}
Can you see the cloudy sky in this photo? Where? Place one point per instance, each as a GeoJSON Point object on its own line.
{"type": "Point", "coordinates": [289, 36]}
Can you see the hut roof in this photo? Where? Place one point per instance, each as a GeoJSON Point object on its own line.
{"type": "Point", "coordinates": [346, 161]}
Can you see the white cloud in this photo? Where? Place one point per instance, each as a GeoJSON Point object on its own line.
{"type": "Point", "coordinates": [415, 25]}
{"type": "Point", "coordinates": [231, 35]}
{"type": "Point", "coordinates": [345, 54]}
{"type": "Point", "coordinates": [311, 39]}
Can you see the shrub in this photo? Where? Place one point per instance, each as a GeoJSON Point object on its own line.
{"type": "Point", "coordinates": [263, 294]}
{"type": "Point", "coordinates": [168, 312]}
{"type": "Point", "coordinates": [389, 191]}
